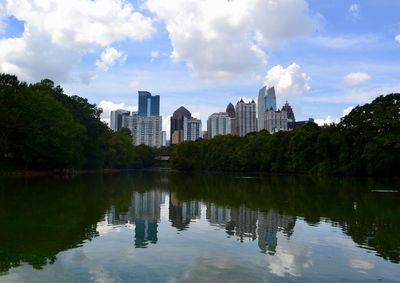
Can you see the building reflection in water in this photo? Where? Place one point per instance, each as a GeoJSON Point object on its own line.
{"type": "Point", "coordinates": [144, 212]}
{"type": "Point", "coordinates": [242, 222]}
{"type": "Point", "coordinates": [269, 224]}
{"type": "Point", "coordinates": [182, 212]}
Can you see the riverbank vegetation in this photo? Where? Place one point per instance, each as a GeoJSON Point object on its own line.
{"type": "Point", "coordinates": [42, 128]}
{"type": "Point", "coordinates": [365, 142]}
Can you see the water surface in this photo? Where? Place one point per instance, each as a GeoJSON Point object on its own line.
{"type": "Point", "coordinates": [169, 227]}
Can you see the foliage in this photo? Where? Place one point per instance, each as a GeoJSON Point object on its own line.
{"type": "Point", "coordinates": [42, 128]}
{"type": "Point", "coordinates": [365, 142]}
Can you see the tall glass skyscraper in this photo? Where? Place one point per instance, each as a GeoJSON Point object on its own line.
{"type": "Point", "coordinates": [149, 105]}
{"type": "Point", "coordinates": [270, 99]}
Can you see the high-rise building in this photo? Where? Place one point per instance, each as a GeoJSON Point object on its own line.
{"type": "Point", "coordinates": [116, 119]}
{"type": "Point", "coordinates": [230, 110]}
{"type": "Point", "coordinates": [163, 138]}
{"type": "Point", "coordinates": [270, 99]}
{"type": "Point", "coordinates": [145, 130]}
{"type": "Point", "coordinates": [246, 121]}
{"type": "Point", "coordinates": [149, 105]}
{"type": "Point", "coordinates": [177, 123]}
{"type": "Point", "coordinates": [191, 129]}
{"type": "Point", "coordinates": [266, 102]}
{"type": "Point", "coordinates": [218, 124]}
{"type": "Point", "coordinates": [276, 121]}
{"type": "Point", "coordinates": [289, 111]}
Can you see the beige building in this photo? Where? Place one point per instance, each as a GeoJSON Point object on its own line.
{"type": "Point", "coordinates": [276, 121]}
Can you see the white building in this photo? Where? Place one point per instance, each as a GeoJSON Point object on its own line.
{"type": "Point", "coordinates": [191, 129]}
{"type": "Point", "coordinates": [246, 117]}
{"type": "Point", "coordinates": [163, 138]}
{"type": "Point", "coordinates": [145, 130]}
{"type": "Point", "coordinates": [218, 124]}
{"type": "Point", "coordinates": [276, 121]}
{"type": "Point", "coordinates": [116, 119]}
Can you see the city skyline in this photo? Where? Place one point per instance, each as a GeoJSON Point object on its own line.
{"type": "Point", "coordinates": [323, 57]}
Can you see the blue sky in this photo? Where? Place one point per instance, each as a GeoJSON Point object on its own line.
{"type": "Point", "coordinates": [323, 56]}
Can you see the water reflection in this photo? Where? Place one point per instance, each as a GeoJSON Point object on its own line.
{"type": "Point", "coordinates": [262, 212]}
{"type": "Point", "coordinates": [181, 213]}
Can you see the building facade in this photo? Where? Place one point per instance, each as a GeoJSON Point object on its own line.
{"type": "Point", "coordinates": [246, 120]}
{"type": "Point", "coordinates": [270, 99]}
{"type": "Point", "coordinates": [177, 123]}
{"type": "Point", "coordinates": [230, 110]}
{"type": "Point", "coordinates": [145, 130]}
{"type": "Point", "coordinates": [276, 121]}
{"type": "Point", "coordinates": [149, 105]}
{"type": "Point", "coordinates": [192, 130]}
{"type": "Point", "coordinates": [266, 101]}
{"type": "Point", "coordinates": [218, 124]}
{"type": "Point", "coordinates": [116, 119]}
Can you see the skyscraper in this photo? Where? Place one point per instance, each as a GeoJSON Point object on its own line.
{"type": "Point", "coordinates": [276, 121]}
{"type": "Point", "coordinates": [270, 99]}
{"type": "Point", "coordinates": [289, 111]}
{"type": "Point", "coordinates": [266, 101]}
{"type": "Point", "coordinates": [116, 119]}
{"type": "Point", "coordinates": [145, 130]}
{"type": "Point", "coordinates": [149, 105]}
{"type": "Point", "coordinates": [191, 129]}
{"type": "Point", "coordinates": [177, 122]}
{"type": "Point", "coordinates": [218, 124]}
{"type": "Point", "coordinates": [230, 110]}
{"type": "Point", "coordinates": [246, 121]}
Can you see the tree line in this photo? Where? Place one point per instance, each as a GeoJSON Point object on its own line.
{"type": "Point", "coordinates": [365, 142]}
{"type": "Point", "coordinates": [42, 128]}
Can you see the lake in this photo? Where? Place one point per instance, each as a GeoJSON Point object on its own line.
{"type": "Point", "coordinates": [171, 227]}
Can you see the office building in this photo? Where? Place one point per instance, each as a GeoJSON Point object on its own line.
{"type": "Point", "coordinates": [270, 99]}
{"type": "Point", "coordinates": [177, 124]}
{"type": "Point", "coordinates": [266, 101]}
{"type": "Point", "coordinates": [276, 121]}
{"type": "Point", "coordinates": [145, 130]}
{"type": "Point", "coordinates": [163, 138]}
{"type": "Point", "coordinates": [149, 105]}
{"type": "Point", "coordinates": [289, 111]}
{"type": "Point", "coordinates": [192, 130]}
{"type": "Point", "coordinates": [230, 110]}
{"type": "Point", "coordinates": [116, 119]}
{"type": "Point", "coordinates": [218, 124]}
{"type": "Point", "coordinates": [246, 120]}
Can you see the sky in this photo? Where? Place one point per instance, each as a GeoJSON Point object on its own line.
{"type": "Point", "coordinates": [324, 57]}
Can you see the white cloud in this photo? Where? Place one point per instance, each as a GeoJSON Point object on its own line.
{"type": "Point", "coordinates": [134, 84]}
{"type": "Point", "coordinates": [327, 121]}
{"type": "Point", "coordinates": [397, 38]}
{"type": "Point", "coordinates": [354, 10]}
{"type": "Point", "coordinates": [219, 39]}
{"type": "Point", "coordinates": [57, 33]}
{"type": "Point", "coordinates": [344, 41]}
{"type": "Point", "coordinates": [109, 106]}
{"type": "Point", "coordinates": [82, 23]}
{"type": "Point", "coordinates": [347, 110]}
{"type": "Point", "coordinates": [108, 58]}
{"type": "Point", "coordinates": [3, 16]}
{"type": "Point", "coordinates": [289, 83]}
{"type": "Point", "coordinates": [26, 58]}
{"type": "Point", "coordinates": [356, 78]}
{"type": "Point", "coordinates": [154, 54]}
{"type": "Point", "coordinates": [166, 125]}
